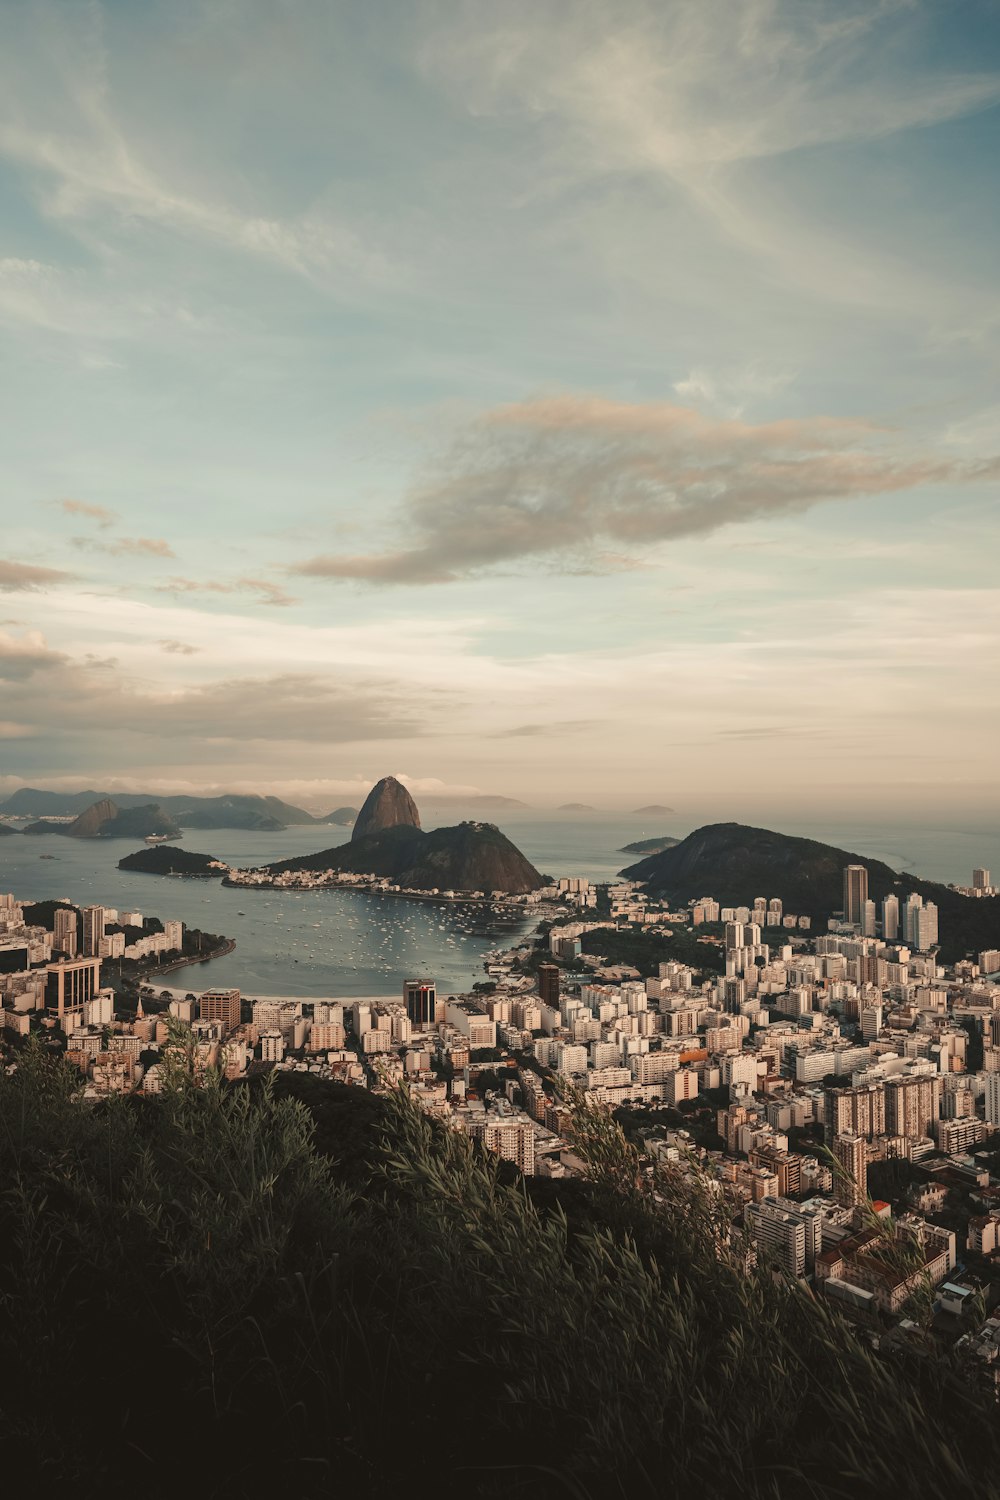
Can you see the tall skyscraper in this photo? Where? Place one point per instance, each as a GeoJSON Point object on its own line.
{"type": "Point", "coordinates": [855, 892]}
{"type": "Point", "coordinates": [855, 1111]}
{"type": "Point", "coordinates": [93, 930]}
{"type": "Point", "coordinates": [850, 1178]}
{"type": "Point", "coordinates": [868, 918]}
{"type": "Point", "coordinates": [64, 931]}
{"type": "Point", "coordinates": [911, 1106]}
{"type": "Point", "coordinates": [548, 983]}
{"type": "Point", "coordinates": [981, 880]}
{"type": "Point", "coordinates": [993, 1099]}
{"type": "Point", "coordinates": [926, 927]}
{"type": "Point", "coordinates": [734, 935]}
{"type": "Point", "coordinates": [890, 918]}
{"type": "Point", "coordinates": [420, 999]}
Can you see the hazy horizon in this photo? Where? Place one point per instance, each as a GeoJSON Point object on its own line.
{"type": "Point", "coordinates": [552, 403]}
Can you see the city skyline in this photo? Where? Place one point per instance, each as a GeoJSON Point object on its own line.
{"type": "Point", "coordinates": [598, 407]}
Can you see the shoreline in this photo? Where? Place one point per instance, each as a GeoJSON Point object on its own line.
{"type": "Point", "coordinates": [370, 887]}
{"type": "Point", "coordinates": [223, 950]}
{"type": "Point", "coordinates": [393, 998]}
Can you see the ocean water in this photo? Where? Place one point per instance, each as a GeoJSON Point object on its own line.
{"type": "Point", "coordinates": [318, 943]}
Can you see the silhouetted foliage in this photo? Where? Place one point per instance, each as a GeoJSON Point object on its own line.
{"type": "Point", "coordinates": [288, 1287]}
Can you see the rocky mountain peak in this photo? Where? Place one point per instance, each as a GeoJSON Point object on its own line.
{"type": "Point", "coordinates": [388, 805]}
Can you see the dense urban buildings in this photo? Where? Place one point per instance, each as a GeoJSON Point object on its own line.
{"type": "Point", "coordinates": [787, 1065]}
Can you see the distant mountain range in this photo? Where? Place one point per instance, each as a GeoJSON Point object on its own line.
{"type": "Point", "coordinates": [735, 863]}
{"type": "Point", "coordinates": [343, 817]}
{"type": "Point", "coordinates": [233, 810]}
{"type": "Point", "coordinates": [655, 809]}
{"type": "Point", "coordinates": [229, 810]}
{"type": "Point", "coordinates": [105, 820]}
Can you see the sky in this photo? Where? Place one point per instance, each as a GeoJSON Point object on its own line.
{"type": "Point", "coordinates": [560, 400]}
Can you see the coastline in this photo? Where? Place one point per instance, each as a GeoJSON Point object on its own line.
{"type": "Point", "coordinates": [225, 948]}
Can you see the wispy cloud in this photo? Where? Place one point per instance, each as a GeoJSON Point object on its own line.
{"type": "Point", "coordinates": [16, 575]}
{"type": "Point", "coordinates": [266, 591]}
{"type": "Point", "coordinates": [98, 513]}
{"type": "Point", "coordinates": [179, 648]}
{"type": "Point", "coordinates": [142, 546]}
{"type": "Point", "coordinates": [697, 94]}
{"type": "Point", "coordinates": [568, 477]}
{"type": "Point", "coordinates": [91, 168]}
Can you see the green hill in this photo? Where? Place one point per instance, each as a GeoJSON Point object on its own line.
{"type": "Point", "coordinates": [734, 863]}
{"type": "Point", "coordinates": [169, 859]}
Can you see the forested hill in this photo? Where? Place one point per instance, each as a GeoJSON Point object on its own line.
{"type": "Point", "coordinates": [735, 863]}
{"type": "Point", "coordinates": [342, 1296]}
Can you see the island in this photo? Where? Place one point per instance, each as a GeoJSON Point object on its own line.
{"type": "Point", "coordinates": [165, 859]}
{"type": "Point", "coordinates": [388, 848]}
{"type": "Point", "coordinates": [650, 846]}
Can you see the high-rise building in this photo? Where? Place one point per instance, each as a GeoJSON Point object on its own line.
{"type": "Point", "coordinates": [64, 931]}
{"type": "Point", "coordinates": [855, 892]}
{"type": "Point", "coordinates": [920, 923]}
{"type": "Point", "coordinates": [911, 1106]}
{"type": "Point", "coordinates": [420, 999]}
{"type": "Point", "coordinates": [925, 934]}
{"type": "Point", "coordinates": [93, 929]}
{"type": "Point", "coordinates": [981, 880]}
{"type": "Point", "coordinates": [890, 918]}
{"type": "Point", "coordinates": [70, 984]}
{"type": "Point", "coordinates": [734, 935]}
{"type": "Point", "coordinates": [784, 1235]}
{"type": "Point", "coordinates": [221, 1005]}
{"type": "Point", "coordinates": [868, 918]}
{"type": "Point", "coordinates": [514, 1140]}
{"type": "Point", "coordinates": [850, 1178]}
{"type": "Point", "coordinates": [857, 1111]}
{"type": "Point", "coordinates": [993, 1099]}
{"type": "Point", "coordinates": [548, 983]}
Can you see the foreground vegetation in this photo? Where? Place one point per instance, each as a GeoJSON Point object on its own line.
{"type": "Point", "coordinates": [229, 1291]}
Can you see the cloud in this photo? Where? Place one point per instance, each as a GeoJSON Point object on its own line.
{"type": "Point", "coordinates": [126, 546]}
{"type": "Point", "coordinates": [266, 591]}
{"type": "Point", "coordinates": [179, 648]}
{"type": "Point", "coordinates": [22, 656]}
{"type": "Point", "coordinates": [140, 546]}
{"type": "Point", "coordinates": [697, 95]}
{"type": "Point", "coordinates": [304, 708]}
{"type": "Point", "coordinates": [532, 731]}
{"type": "Point", "coordinates": [98, 513]}
{"type": "Point", "coordinates": [15, 576]}
{"type": "Point", "coordinates": [567, 477]}
{"type": "Point", "coordinates": [694, 85]}
{"type": "Point", "coordinates": [92, 166]}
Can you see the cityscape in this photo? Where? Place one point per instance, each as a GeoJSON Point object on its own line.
{"type": "Point", "coordinates": [810, 1061]}
{"type": "Point", "coordinates": [499, 813]}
